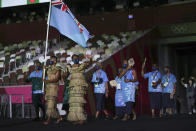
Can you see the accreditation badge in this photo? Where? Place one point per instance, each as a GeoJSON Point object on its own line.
{"type": "Point", "coordinates": [153, 82]}
{"type": "Point", "coordinates": [118, 86]}
{"type": "Point", "coordinates": [96, 85]}
{"type": "Point", "coordinates": [165, 84]}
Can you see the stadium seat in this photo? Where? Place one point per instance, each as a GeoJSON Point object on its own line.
{"type": "Point", "coordinates": [21, 79]}
{"type": "Point", "coordinates": [18, 60]}
{"type": "Point", "coordinates": [6, 80]}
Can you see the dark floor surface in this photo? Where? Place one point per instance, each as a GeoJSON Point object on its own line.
{"type": "Point", "coordinates": [143, 123]}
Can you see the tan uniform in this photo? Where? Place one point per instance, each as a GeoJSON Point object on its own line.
{"type": "Point", "coordinates": [77, 91]}
{"type": "Point", "coordinates": [52, 93]}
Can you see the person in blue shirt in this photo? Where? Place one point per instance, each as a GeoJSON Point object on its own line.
{"type": "Point", "coordinates": [37, 93]}
{"type": "Point", "coordinates": [129, 87]}
{"type": "Point", "coordinates": [119, 101]}
{"type": "Point", "coordinates": [168, 84]}
{"type": "Point", "coordinates": [154, 88]}
{"type": "Point", "coordinates": [100, 81]}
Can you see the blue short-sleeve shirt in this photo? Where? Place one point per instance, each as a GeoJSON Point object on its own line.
{"type": "Point", "coordinates": [129, 87]}
{"type": "Point", "coordinates": [119, 100]}
{"type": "Point", "coordinates": [153, 77]}
{"type": "Point", "coordinates": [168, 82]}
{"type": "Point", "coordinates": [100, 88]}
{"type": "Point", "coordinates": [36, 78]}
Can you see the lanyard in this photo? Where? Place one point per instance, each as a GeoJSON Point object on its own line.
{"type": "Point", "coordinates": [154, 76]}
{"type": "Point", "coordinates": [127, 74]}
{"type": "Point", "coordinates": [168, 77]}
{"type": "Point", "coordinates": [98, 74]}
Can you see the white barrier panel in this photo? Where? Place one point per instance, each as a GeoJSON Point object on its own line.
{"type": "Point", "coordinates": [59, 107]}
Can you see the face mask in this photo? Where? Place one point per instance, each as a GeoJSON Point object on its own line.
{"type": "Point", "coordinates": [38, 67]}
{"type": "Point", "coordinates": [154, 68]}
{"type": "Point", "coordinates": [125, 66]}
{"type": "Point", "coordinates": [97, 67]}
{"type": "Point", "coordinates": [76, 61]}
{"type": "Point", "coordinates": [51, 63]}
{"type": "Point", "coordinates": [166, 71]}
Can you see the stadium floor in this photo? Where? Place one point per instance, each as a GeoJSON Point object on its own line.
{"type": "Point", "coordinates": [143, 123]}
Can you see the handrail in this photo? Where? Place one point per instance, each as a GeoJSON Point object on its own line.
{"type": "Point", "coordinates": [10, 103]}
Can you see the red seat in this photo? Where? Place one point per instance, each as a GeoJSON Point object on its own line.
{"type": "Point", "coordinates": [64, 55]}
{"type": "Point", "coordinates": [26, 75]}
{"type": "Point", "coordinates": [6, 80]}
{"type": "Point", "coordinates": [12, 75]}
{"type": "Point", "coordinates": [47, 62]}
{"type": "Point", "coordinates": [19, 71]}
{"type": "Point", "coordinates": [21, 79]}
{"type": "Point", "coordinates": [1, 81]}
{"type": "Point", "coordinates": [31, 68]}
{"type": "Point", "coordinates": [1, 70]}
{"type": "Point", "coordinates": [6, 68]}
{"type": "Point", "coordinates": [12, 65]}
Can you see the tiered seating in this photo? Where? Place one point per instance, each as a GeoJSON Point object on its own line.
{"type": "Point", "coordinates": [17, 61]}
{"type": "Point", "coordinates": [28, 16]}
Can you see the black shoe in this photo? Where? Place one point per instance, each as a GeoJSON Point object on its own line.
{"type": "Point", "coordinates": [43, 118]}
{"type": "Point", "coordinates": [107, 117]}
{"type": "Point", "coordinates": [125, 118]}
{"type": "Point", "coordinates": [36, 119]}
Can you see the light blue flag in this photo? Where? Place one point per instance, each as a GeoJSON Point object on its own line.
{"type": "Point", "coordinates": [65, 22]}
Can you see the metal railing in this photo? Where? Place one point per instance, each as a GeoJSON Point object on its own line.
{"type": "Point", "coordinates": [6, 104]}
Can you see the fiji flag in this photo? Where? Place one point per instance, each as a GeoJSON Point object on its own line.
{"type": "Point", "coordinates": [66, 23]}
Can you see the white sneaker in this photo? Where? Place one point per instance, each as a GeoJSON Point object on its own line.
{"type": "Point", "coordinates": [194, 111]}
{"type": "Point", "coordinates": [190, 113]}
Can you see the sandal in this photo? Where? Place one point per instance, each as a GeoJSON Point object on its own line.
{"type": "Point", "coordinates": [107, 117]}
{"type": "Point", "coordinates": [134, 117]}
{"type": "Point", "coordinates": [46, 122]}
{"type": "Point", "coordinates": [79, 122]}
{"type": "Point", "coordinates": [115, 118]}
{"type": "Point", "coordinates": [59, 120]}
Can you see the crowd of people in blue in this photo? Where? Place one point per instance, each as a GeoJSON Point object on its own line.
{"type": "Point", "coordinates": [161, 89]}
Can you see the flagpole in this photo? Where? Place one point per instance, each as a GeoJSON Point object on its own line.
{"type": "Point", "coordinates": [46, 46]}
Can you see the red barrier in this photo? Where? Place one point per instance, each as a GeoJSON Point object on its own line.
{"type": "Point", "coordinates": [26, 91]}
